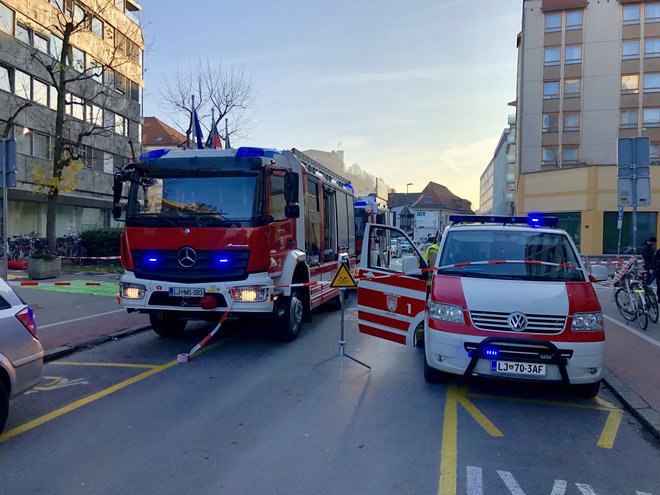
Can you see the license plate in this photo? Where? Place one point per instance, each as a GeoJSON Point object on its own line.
{"type": "Point", "coordinates": [516, 368]}
{"type": "Point", "coordinates": [187, 291]}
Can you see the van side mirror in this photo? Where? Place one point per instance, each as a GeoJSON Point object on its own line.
{"type": "Point", "coordinates": [116, 212]}
{"type": "Point", "coordinates": [291, 189]}
{"type": "Point", "coordinates": [292, 211]}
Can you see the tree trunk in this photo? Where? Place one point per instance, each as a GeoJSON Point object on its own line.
{"type": "Point", "coordinates": [51, 221]}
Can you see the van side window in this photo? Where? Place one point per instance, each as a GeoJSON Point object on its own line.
{"type": "Point", "coordinates": [312, 222]}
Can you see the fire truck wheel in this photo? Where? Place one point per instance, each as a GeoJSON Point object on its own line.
{"type": "Point", "coordinates": [292, 318]}
{"type": "Point", "coordinates": [166, 324]}
{"type": "Point", "coordinates": [4, 406]}
{"type": "Point", "coordinates": [431, 375]}
{"type": "Point", "coordinates": [587, 390]}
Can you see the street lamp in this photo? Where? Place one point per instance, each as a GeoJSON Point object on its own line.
{"type": "Point", "coordinates": [409, 184]}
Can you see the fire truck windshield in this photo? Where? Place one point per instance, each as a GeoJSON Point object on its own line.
{"type": "Point", "coordinates": [227, 200]}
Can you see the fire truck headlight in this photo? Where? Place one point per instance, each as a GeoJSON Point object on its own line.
{"type": "Point", "coordinates": [249, 294]}
{"type": "Point", "coordinates": [446, 312]}
{"type": "Point", "coordinates": [587, 322]}
{"type": "Point", "coordinates": [132, 291]}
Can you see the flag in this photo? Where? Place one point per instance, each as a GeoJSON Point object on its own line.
{"type": "Point", "coordinates": [214, 140]}
{"type": "Point", "coordinates": [227, 145]}
{"type": "Point", "coordinates": [197, 129]}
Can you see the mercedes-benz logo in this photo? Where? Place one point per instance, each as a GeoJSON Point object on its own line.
{"type": "Point", "coordinates": [517, 321]}
{"type": "Point", "coordinates": [187, 257]}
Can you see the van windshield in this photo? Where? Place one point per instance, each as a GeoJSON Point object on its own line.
{"type": "Point", "coordinates": [545, 256]}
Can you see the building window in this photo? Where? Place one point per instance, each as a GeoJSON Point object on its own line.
{"type": "Point", "coordinates": [652, 12]}
{"type": "Point", "coordinates": [5, 79]}
{"type": "Point", "coordinates": [651, 117]}
{"type": "Point", "coordinates": [573, 54]}
{"type": "Point", "coordinates": [23, 85]}
{"type": "Point", "coordinates": [23, 34]}
{"type": "Point", "coordinates": [571, 122]}
{"type": "Point", "coordinates": [97, 27]}
{"type": "Point", "coordinates": [551, 122]}
{"type": "Point", "coordinates": [654, 153]}
{"type": "Point", "coordinates": [428, 199]}
{"type": "Point", "coordinates": [571, 88]}
{"type": "Point", "coordinates": [53, 98]}
{"type": "Point", "coordinates": [652, 83]}
{"type": "Point", "coordinates": [629, 84]}
{"type": "Point", "coordinates": [629, 119]}
{"type": "Point", "coordinates": [77, 59]}
{"type": "Point", "coordinates": [553, 22]}
{"type": "Point", "coordinates": [574, 20]}
{"type": "Point", "coordinates": [550, 155]}
{"type": "Point", "coordinates": [41, 145]}
{"type": "Point", "coordinates": [55, 47]}
{"type": "Point", "coordinates": [23, 138]}
{"type": "Point", "coordinates": [631, 14]}
{"type": "Point", "coordinates": [569, 154]}
{"type": "Point", "coordinates": [652, 47]}
{"type": "Point", "coordinates": [552, 56]}
{"type": "Point", "coordinates": [550, 90]}
{"type": "Point", "coordinates": [108, 119]}
{"type": "Point", "coordinates": [630, 49]}
{"type": "Point", "coordinates": [40, 43]}
{"type": "Point", "coordinates": [6, 20]}
{"type": "Point", "coordinates": [40, 92]}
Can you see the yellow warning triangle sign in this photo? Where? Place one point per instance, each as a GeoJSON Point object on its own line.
{"type": "Point", "coordinates": [343, 278]}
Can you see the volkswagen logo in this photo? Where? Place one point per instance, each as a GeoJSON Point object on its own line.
{"type": "Point", "coordinates": [517, 321]}
{"type": "Point", "coordinates": [187, 257]}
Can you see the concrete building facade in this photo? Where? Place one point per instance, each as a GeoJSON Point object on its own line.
{"type": "Point", "coordinates": [107, 103]}
{"type": "Point", "coordinates": [588, 73]}
{"type": "Point", "coordinates": [494, 194]}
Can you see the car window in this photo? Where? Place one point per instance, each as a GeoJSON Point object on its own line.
{"type": "Point", "coordinates": [387, 249]}
{"type": "Point", "coordinates": [4, 304]}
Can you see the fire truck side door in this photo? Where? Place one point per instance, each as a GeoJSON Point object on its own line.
{"type": "Point", "coordinates": [390, 303]}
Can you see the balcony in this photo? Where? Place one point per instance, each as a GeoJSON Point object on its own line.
{"type": "Point", "coordinates": [512, 119]}
{"type": "Point", "coordinates": [511, 157]}
{"type": "Point", "coordinates": [511, 137]}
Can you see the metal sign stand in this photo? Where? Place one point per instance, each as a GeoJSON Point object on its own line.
{"type": "Point", "coordinates": [341, 353]}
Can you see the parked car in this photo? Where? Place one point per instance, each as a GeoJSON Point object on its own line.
{"type": "Point", "coordinates": [21, 353]}
{"type": "Point", "coordinates": [396, 249]}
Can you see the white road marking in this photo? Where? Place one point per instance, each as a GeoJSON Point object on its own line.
{"type": "Point", "coordinates": [41, 327]}
{"type": "Point", "coordinates": [641, 335]}
{"type": "Point", "coordinates": [643, 493]}
{"type": "Point", "coordinates": [585, 489]}
{"type": "Point", "coordinates": [475, 482]}
{"type": "Point", "coordinates": [559, 488]}
{"type": "Point", "coordinates": [511, 483]}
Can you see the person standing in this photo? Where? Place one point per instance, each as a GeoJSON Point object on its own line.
{"type": "Point", "coordinates": [648, 253]}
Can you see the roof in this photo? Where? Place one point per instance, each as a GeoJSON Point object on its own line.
{"type": "Point", "coordinates": [155, 132]}
{"type": "Point", "coordinates": [442, 198]}
{"type": "Point", "coordinates": [401, 199]}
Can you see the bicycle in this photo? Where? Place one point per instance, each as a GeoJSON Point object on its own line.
{"type": "Point", "coordinates": [635, 300]}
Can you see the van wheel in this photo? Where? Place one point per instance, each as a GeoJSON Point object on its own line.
{"type": "Point", "coordinates": [166, 324]}
{"type": "Point", "coordinates": [419, 336]}
{"type": "Point", "coordinates": [4, 406]}
{"type": "Point", "coordinates": [431, 375]}
{"type": "Point", "coordinates": [291, 319]}
{"type": "Point", "coordinates": [587, 389]}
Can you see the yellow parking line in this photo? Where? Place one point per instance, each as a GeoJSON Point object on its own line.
{"type": "Point", "coordinates": [449, 451]}
{"type": "Point", "coordinates": [545, 402]}
{"type": "Point", "coordinates": [94, 397]}
{"type": "Point", "coordinates": [480, 418]}
{"type": "Point", "coordinates": [118, 365]}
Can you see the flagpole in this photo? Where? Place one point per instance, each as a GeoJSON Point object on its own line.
{"type": "Point", "coordinates": [227, 145]}
{"type": "Point", "coordinates": [212, 137]}
{"type": "Point", "coordinates": [192, 122]}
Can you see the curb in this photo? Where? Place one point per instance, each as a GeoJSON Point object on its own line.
{"type": "Point", "coordinates": [65, 350]}
{"type": "Point", "coordinates": [645, 414]}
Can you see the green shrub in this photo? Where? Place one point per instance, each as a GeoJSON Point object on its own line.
{"type": "Point", "coordinates": [101, 242]}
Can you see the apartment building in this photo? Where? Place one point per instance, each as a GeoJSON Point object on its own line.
{"type": "Point", "coordinates": [103, 103]}
{"type": "Point", "coordinates": [494, 194]}
{"type": "Point", "coordinates": [588, 73]}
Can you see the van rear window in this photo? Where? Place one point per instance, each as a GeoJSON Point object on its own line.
{"type": "Point", "coordinates": [545, 250]}
{"type": "Point", "coordinates": [4, 304]}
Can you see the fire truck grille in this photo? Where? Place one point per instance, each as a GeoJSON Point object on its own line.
{"type": "Point", "coordinates": [209, 266]}
{"type": "Point", "coordinates": [499, 322]}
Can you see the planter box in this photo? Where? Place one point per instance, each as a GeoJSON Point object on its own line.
{"type": "Point", "coordinates": [39, 269]}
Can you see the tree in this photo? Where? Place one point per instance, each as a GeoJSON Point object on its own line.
{"type": "Point", "coordinates": [228, 92]}
{"type": "Point", "coordinates": [81, 88]}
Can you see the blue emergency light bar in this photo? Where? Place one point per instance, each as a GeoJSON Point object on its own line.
{"type": "Point", "coordinates": [249, 151]}
{"type": "Point", "coordinates": [148, 155]}
{"type": "Point", "coordinates": [360, 203]}
{"type": "Point", "coordinates": [533, 219]}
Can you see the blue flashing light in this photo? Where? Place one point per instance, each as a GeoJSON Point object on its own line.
{"type": "Point", "coordinates": [534, 220]}
{"type": "Point", "coordinates": [151, 259]}
{"type": "Point", "coordinates": [349, 187]}
{"type": "Point", "coordinates": [249, 151]}
{"type": "Point", "coordinates": [491, 353]}
{"type": "Point", "coordinates": [360, 203]}
{"type": "Point", "coordinates": [150, 155]}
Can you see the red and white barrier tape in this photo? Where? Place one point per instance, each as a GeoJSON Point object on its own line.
{"type": "Point", "coordinates": [91, 257]}
{"type": "Point", "coordinates": [54, 284]}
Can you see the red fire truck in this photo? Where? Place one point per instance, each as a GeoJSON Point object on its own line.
{"type": "Point", "coordinates": [368, 209]}
{"type": "Point", "coordinates": [251, 231]}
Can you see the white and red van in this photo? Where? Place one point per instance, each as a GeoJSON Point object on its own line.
{"type": "Point", "coordinates": [509, 297]}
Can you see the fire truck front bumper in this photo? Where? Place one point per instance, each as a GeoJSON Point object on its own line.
{"type": "Point", "coordinates": [255, 294]}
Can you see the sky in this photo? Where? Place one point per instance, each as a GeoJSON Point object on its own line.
{"type": "Point", "coordinates": [412, 91]}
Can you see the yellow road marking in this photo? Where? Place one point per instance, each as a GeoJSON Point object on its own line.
{"type": "Point", "coordinates": [480, 418]}
{"type": "Point", "coordinates": [118, 365]}
{"type": "Point", "coordinates": [449, 451]}
{"type": "Point", "coordinates": [91, 398]}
